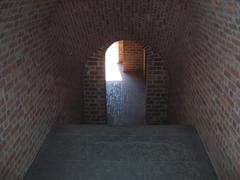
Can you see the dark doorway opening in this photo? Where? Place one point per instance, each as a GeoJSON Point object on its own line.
{"type": "Point", "coordinates": [125, 66]}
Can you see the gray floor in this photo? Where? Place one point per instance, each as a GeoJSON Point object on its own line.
{"type": "Point", "coordinates": [81, 152]}
{"type": "Point", "coordinates": [126, 99]}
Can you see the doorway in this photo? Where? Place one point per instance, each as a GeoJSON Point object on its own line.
{"type": "Point", "coordinates": [125, 68]}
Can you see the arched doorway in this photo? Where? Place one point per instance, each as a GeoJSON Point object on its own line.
{"type": "Point", "coordinates": [95, 91]}
{"type": "Point", "coordinates": [125, 66]}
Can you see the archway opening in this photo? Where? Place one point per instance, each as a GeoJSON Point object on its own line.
{"type": "Point", "coordinates": [112, 68]}
{"type": "Point", "coordinates": [125, 67]}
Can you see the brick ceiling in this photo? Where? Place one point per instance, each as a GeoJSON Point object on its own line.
{"type": "Point", "coordinates": [82, 27]}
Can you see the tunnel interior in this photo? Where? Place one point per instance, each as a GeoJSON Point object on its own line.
{"type": "Point", "coordinates": [52, 71]}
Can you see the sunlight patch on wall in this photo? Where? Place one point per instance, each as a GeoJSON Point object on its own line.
{"type": "Point", "coordinates": [111, 63]}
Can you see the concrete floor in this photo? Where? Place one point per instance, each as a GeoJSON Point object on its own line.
{"type": "Point", "coordinates": [81, 152]}
{"type": "Point", "coordinates": [126, 99]}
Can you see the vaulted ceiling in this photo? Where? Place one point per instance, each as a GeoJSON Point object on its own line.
{"type": "Point", "coordinates": [82, 27]}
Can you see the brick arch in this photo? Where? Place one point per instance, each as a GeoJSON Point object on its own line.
{"type": "Point", "coordinates": [95, 110]}
{"type": "Point", "coordinates": [81, 29]}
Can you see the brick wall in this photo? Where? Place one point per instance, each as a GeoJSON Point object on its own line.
{"type": "Point", "coordinates": [95, 89]}
{"type": "Point", "coordinates": [37, 86]}
{"type": "Point", "coordinates": [68, 84]}
{"type": "Point", "coordinates": [133, 55]}
{"type": "Point", "coordinates": [27, 102]}
{"type": "Point", "coordinates": [205, 76]}
{"type": "Point", "coordinates": [157, 78]}
{"type": "Point", "coordinates": [120, 47]}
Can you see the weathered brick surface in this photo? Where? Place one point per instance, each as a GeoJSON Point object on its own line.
{"type": "Point", "coordinates": [68, 88]}
{"type": "Point", "coordinates": [204, 89]}
{"type": "Point", "coordinates": [27, 104]}
{"type": "Point", "coordinates": [35, 86]}
{"type": "Point", "coordinates": [157, 78]}
{"type": "Point", "coordinates": [133, 56]}
{"type": "Point", "coordinates": [120, 47]}
{"type": "Point", "coordinates": [95, 89]}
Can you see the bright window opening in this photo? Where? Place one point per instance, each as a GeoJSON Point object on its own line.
{"type": "Point", "coordinates": [111, 63]}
